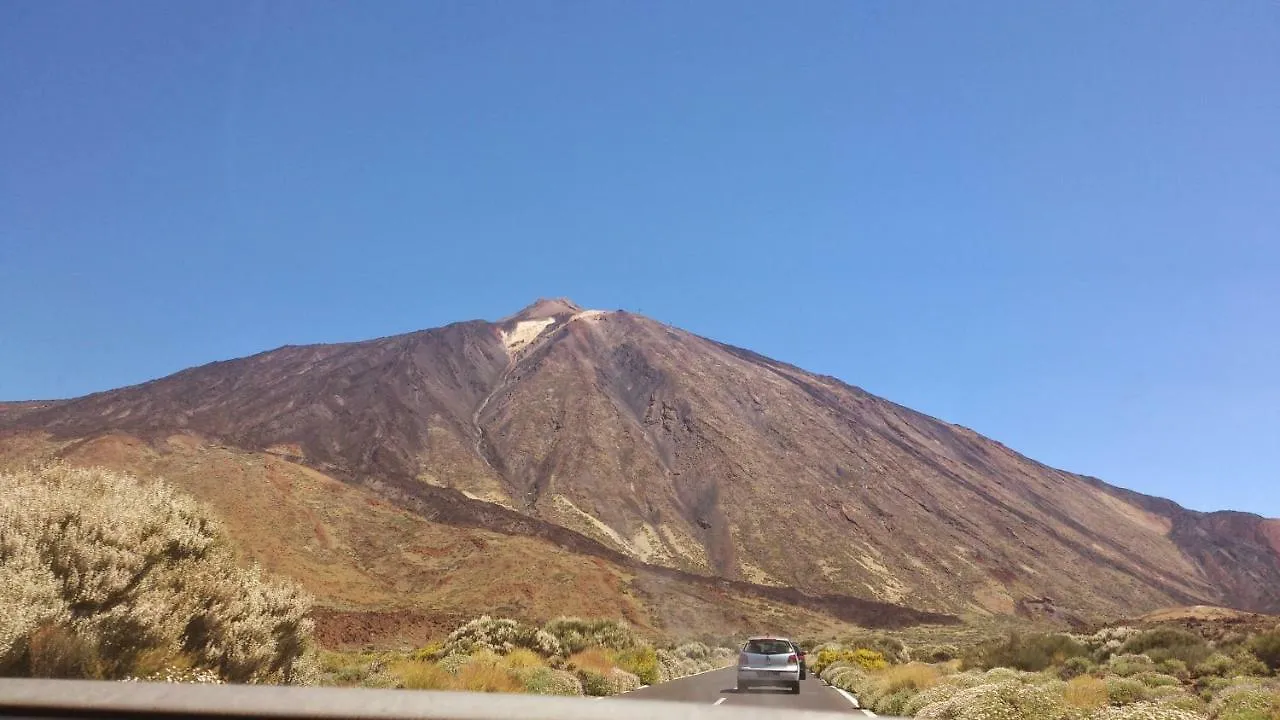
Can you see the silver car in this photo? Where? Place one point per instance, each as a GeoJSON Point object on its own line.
{"type": "Point", "coordinates": [770, 661]}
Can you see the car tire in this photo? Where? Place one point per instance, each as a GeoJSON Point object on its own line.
{"type": "Point", "coordinates": [795, 688]}
{"type": "Point", "coordinates": [743, 687]}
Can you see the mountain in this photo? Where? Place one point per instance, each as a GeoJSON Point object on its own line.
{"type": "Point", "coordinates": [662, 454]}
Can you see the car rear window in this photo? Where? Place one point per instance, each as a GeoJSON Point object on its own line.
{"type": "Point", "coordinates": [768, 647]}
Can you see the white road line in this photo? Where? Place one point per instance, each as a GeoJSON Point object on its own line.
{"type": "Point", "coordinates": [718, 701]}
{"type": "Point", "coordinates": [852, 700]}
{"type": "Point", "coordinates": [869, 714]}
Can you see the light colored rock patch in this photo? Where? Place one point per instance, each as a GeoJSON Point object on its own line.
{"type": "Point", "coordinates": [1150, 521]}
{"type": "Point", "coordinates": [648, 545]}
{"type": "Point", "coordinates": [891, 589]}
{"type": "Point", "coordinates": [524, 333]}
{"type": "Point", "coordinates": [753, 574]}
{"type": "Point", "coordinates": [566, 505]}
{"type": "Point", "coordinates": [588, 315]}
{"type": "Point", "coordinates": [490, 497]}
{"type": "Point", "coordinates": [683, 545]}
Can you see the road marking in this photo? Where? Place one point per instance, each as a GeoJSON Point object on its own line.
{"type": "Point", "coordinates": [852, 700]}
{"type": "Point", "coordinates": [869, 714]}
{"type": "Point", "coordinates": [718, 701]}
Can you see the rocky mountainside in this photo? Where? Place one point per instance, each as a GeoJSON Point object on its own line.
{"type": "Point", "coordinates": [618, 437]}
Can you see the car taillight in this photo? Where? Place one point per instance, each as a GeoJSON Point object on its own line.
{"type": "Point", "coordinates": [742, 660]}
{"type": "Point", "coordinates": [792, 659]}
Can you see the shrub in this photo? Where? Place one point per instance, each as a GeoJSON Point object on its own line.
{"type": "Point", "coordinates": [1026, 652]}
{"type": "Point", "coordinates": [1155, 680]}
{"type": "Point", "coordinates": [1146, 711]}
{"type": "Point", "coordinates": [53, 652]}
{"type": "Point", "coordinates": [485, 675]}
{"type": "Point", "coordinates": [141, 576]}
{"type": "Point", "coordinates": [1086, 692]}
{"type": "Point", "coordinates": [416, 675]}
{"type": "Point", "coordinates": [641, 661]}
{"type": "Point", "coordinates": [498, 635]}
{"type": "Point", "coordinates": [869, 659]}
{"type": "Point", "coordinates": [575, 634]}
{"type": "Point", "coordinates": [1129, 665]}
{"type": "Point", "coordinates": [936, 653]}
{"type": "Point", "coordinates": [1216, 665]}
{"type": "Point", "coordinates": [913, 676]}
{"type": "Point", "coordinates": [1165, 643]}
{"type": "Point", "coordinates": [692, 658]}
{"type": "Point", "coordinates": [1266, 647]}
{"type": "Point", "coordinates": [591, 659]}
{"type": "Point", "coordinates": [1245, 702]}
{"type": "Point", "coordinates": [1075, 667]}
{"type": "Point", "coordinates": [546, 681]}
{"type": "Point", "coordinates": [1126, 691]}
{"type": "Point", "coordinates": [1001, 700]}
{"type": "Point", "coordinates": [1174, 667]}
{"type": "Point", "coordinates": [523, 658]}
{"type": "Point", "coordinates": [936, 694]}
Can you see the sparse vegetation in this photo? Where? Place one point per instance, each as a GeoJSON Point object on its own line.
{"type": "Point", "coordinates": [107, 576]}
{"type": "Point", "coordinates": [501, 655]}
{"type": "Point", "coordinates": [1114, 674]}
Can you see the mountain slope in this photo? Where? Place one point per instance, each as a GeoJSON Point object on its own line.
{"type": "Point", "coordinates": [620, 437]}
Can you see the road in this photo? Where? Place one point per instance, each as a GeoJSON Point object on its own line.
{"type": "Point", "coordinates": [718, 687]}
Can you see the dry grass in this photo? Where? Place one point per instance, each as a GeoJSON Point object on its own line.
{"type": "Point", "coordinates": [1086, 693]}
{"type": "Point", "coordinates": [522, 659]}
{"type": "Point", "coordinates": [484, 676]}
{"type": "Point", "coordinates": [424, 676]}
{"type": "Point", "coordinates": [594, 659]}
{"type": "Point", "coordinates": [912, 675]}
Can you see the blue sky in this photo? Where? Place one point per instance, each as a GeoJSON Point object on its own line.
{"type": "Point", "coordinates": [1055, 223]}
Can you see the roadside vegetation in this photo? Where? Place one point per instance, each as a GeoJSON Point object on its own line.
{"type": "Point", "coordinates": [566, 656]}
{"type": "Point", "coordinates": [1122, 673]}
{"type": "Point", "coordinates": [109, 577]}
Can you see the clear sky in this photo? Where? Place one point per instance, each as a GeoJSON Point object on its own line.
{"type": "Point", "coordinates": [1057, 223]}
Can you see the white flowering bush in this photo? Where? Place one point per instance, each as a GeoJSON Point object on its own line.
{"type": "Point", "coordinates": [1144, 711]}
{"type": "Point", "coordinates": [105, 575]}
{"type": "Point", "coordinates": [1246, 701]}
{"type": "Point", "coordinates": [200, 676]}
{"type": "Point", "coordinates": [576, 634]}
{"type": "Point", "coordinates": [548, 681]}
{"type": "Point", "coordinates": [500, 636]}
{"type": "Point", "coordinates": [692, 658]}
{"type": "Point", "coordinates": [1009, 700]}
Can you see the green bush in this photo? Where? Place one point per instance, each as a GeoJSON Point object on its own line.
{"type": "Point", "coordinates": [1031, 653]}
{"type": "Point", "coordinates": [547, 681]}
{"type": "Point", "coordinates": [935, 653]}
{"type": "Point", "coordinates": [1166, 643]}
{"type": "Point", "coordinates": [1246, 702]}
{"type": "Point", "coordinates": [603, 684]}
{"type": "Point", "coordinates": [1074, 667]}
{"type": "Point", "coordinates": [893, 649]}
{"type": "Point", "coordinates": [1266, 648]}
{"type": "Point", "coordinates": [1126, 691]}
{"type": "Point", "coordinates": [1130, 665]}
{"type": "Point", "coordinates": [1155, 680]}
{"type": "Point", "coordinates": [1174, 667]}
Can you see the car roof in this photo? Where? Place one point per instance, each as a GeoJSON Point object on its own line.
{"type": "Point", "coordinates": [767, 637]}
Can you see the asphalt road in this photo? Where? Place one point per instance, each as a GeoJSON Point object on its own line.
{"type": "Point", "coordinates": [718, 687]}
